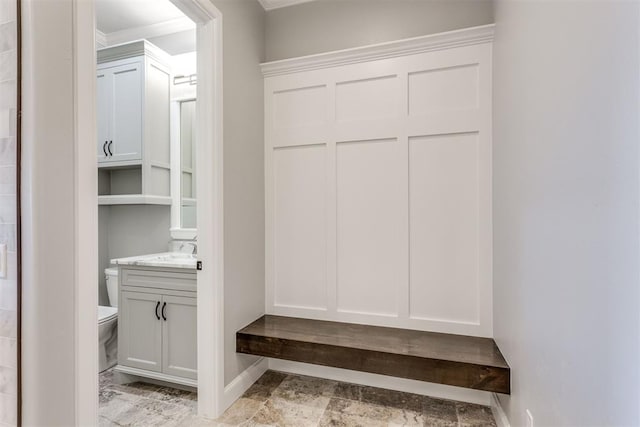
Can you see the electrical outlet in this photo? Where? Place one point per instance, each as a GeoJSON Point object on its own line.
{"type": "Point", "coordinates": [529, 419]}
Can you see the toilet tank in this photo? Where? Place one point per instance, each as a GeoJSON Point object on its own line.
{"type": "Point", "coordinates": [111, 274]}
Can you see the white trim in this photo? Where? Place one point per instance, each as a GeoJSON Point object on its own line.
{"type": "Point", "coordinates": [86, 214]}
{"type": "Point", "coordinates": [498, 413]}
{"type": "Point", "coordinates": [242, 382]}
{"type": "Point", "coordinates": [167, 379]}
{"type": "Point", "coordinates": [131, 51]}
{"type": "Point", "coordinates": [148, 31]}
{"type": "Point", "coordinates": [382, 381]}
{"type": "Point", "coordinates": [101, 39]}
{"type": "Point", "coordinates": [277, 4]}
{"type": "Point", "coordinates": [177, 232]}
{"type": "Point", "coordinates": [184, 233]}
{"type": "Point", "coordinates": [412, 46]}
{"type": "Point", "coordinates": [134, 199]}
{"type": "Point", "coordinates": [210, 210]}
{"type": "Point", "coordinates": [174, 148]}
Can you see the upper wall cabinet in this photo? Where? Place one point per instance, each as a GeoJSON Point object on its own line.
{"type": "Point", "coordinates": [133, 139]}
{"type": "Point", "coordinates": [120, 116]}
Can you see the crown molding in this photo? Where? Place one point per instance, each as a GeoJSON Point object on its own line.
{"type": "Point", "coordinates": [132, 50]}
{"type": "Point", "coordinates": [412, 46]}
{"type": "Point", "coordinates": [101, 39]}
{"type": "Point", "coordinates": [277, 4]}
{"type": "Point", "coordinates": [146, 32]}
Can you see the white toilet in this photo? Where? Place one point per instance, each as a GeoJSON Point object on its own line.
{"type": "Point", "coordinates": [108, 323]}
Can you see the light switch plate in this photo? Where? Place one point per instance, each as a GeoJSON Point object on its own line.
{"type": "Point", "coordinates": [3, 261]}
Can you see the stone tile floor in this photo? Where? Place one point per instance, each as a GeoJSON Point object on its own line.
{"type": "Point", "coordinates": [279, 399]}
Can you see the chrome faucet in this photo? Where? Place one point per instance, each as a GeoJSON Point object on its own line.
{"type": "Point", "coordinates": [189, 247]}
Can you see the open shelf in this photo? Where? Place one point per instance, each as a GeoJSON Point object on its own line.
{"type": "Point", "coordinates": [124, 186]}
{"type": "Point", "coordinates": [133, 199]}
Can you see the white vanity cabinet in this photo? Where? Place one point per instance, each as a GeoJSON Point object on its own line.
{"type": "Point", "coordinates": [179, 341]}
{"type": "Point", "coordinates": [140, 331]}
{"type": "Point", "coordinates": [157, 324]}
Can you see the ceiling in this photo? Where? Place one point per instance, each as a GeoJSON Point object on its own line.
{"type": "Point", "coordinates": [117, 15]}
{"type": "Point", "coordinates": [159, 21]}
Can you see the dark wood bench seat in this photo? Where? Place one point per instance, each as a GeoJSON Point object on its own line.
{"type": "Point", "coordinates": [457, 360]}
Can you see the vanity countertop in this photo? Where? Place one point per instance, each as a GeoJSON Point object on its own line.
{"type": "Point", "coordinates": [165, 259]}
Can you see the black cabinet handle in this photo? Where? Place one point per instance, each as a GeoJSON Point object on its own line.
{"type": "Point", "coordinates": [109, 148]}
{"type": "Point", "coordinates": [157, 305]}
{"type": "Point", "coordinates": [164, 316]}
{"type": "Point", "coordinates": [104, 148]}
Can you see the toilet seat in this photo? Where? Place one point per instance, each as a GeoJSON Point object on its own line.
{"type": "Point", "coordinates": [106, 313]}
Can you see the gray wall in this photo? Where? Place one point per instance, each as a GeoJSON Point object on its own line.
{"type": "Point", "coordinates": [243, 27]}
{"type": "Point", "coordinates": [566, 210]}
{"type": "Point", "coordinates": [327, 25]}
{"type": "Point", "coordinates": [103, 252]}
{"type": "Point", "coordinates": [129, 230]}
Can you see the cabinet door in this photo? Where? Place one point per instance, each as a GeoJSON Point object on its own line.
{"type": "Point", "coordinates": [140, 331]}
{"type": "Point", "coordinates": [125, 142]}
{"type": "Point", "coordinates": [103, 112]}
{"type": "Point", "coordinates": [179, 337]}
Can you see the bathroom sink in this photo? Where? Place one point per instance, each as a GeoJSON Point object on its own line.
{"type": "Point", "coordinates": [166, 259]}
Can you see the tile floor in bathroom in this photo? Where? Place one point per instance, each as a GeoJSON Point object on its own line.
{"type": "Point", "coordinates": [279, 399]}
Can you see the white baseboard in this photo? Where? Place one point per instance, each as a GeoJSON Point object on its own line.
{"type": "Point", "coordinates": [383, 381]}
{"type": "Point", "coordinates": [498, 412]}
{"type": "Point", "coordinates": [128, 374]}
{"type": "Point", "coordinates": [242, 382]}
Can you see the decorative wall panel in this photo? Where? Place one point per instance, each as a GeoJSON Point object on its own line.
{"type": "Point", "coordinates": [378, 188]}
{"type": "Point", "coordinates": [369, 226]}
{"type": "Point", "coordinates": [300, 227]}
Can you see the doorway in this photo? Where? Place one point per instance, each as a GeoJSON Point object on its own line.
{"type": "Point", "coordinates": [208, 122]}
{"type": "Point", "coordinates": [61, 176]}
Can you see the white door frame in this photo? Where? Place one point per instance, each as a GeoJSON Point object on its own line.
{"type": "Point", "coordinates": [209, 144]}
{"type": "Point", "coordinates": [209, 209]}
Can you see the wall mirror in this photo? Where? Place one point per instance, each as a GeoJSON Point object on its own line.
{"type": "Point", "coordinates": [183, 125]}
{"type": "Point", "coordinates": [187, 164]}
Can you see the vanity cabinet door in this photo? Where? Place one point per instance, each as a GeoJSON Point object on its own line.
{"type": "Point", "coordinates": [140, 331]}
{"type": "Point", "coordinates": [179, 340]}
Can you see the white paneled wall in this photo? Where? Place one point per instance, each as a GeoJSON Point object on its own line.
{"type": "Point", "coordinates": [378, 189]}
{"type": "Point", "coordinates": [370, 218]}
{"type": "Point", "coordinates": [444, 238]}
{"type": "Point", "coordinates": [300, 224]}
